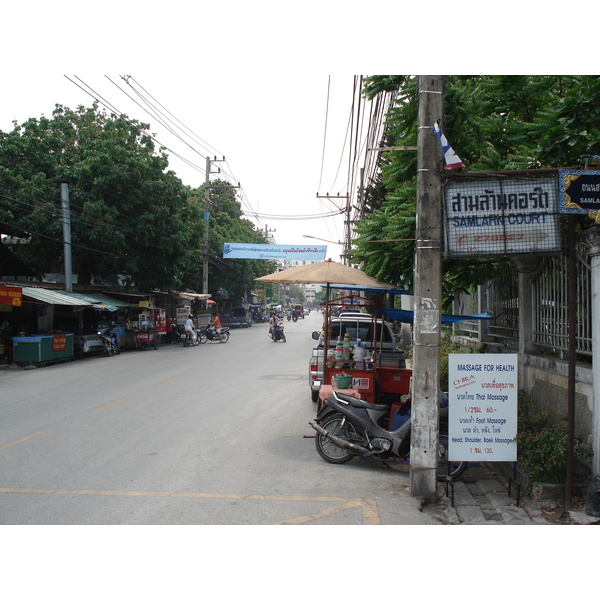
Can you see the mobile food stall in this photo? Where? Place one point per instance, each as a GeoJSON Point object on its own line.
{"type": "Point", "coordinates": [370, 378]}
{"type": "Point", "coordinates": [143, 327]}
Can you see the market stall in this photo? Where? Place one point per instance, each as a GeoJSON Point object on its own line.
{"type": "Point", "coordinates": [144, 326]}
{"type": "Point", "coordinates": [42, 349]}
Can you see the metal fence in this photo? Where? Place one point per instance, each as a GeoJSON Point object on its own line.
{"type": "Point", "coordinates": [551, 309]}
{"type": "Point", "coordinates": [550, 312]}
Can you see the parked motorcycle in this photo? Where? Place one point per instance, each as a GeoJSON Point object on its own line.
{"type": "Point", "coordinates": [109, 341]}
{"type": "Point", "coordinates": [187, 339]}
{"type": "Point", "coordinates": [277, 333]}
{"type": "Point", "coordinates": [347, 427]}
{"type": "Point", "coordinates": [209, 334]}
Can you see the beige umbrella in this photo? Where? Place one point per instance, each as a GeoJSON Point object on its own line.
{"type": "Point", "coordinates": [325, 272]}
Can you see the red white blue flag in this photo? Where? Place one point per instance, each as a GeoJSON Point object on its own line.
{"type": "Point", "coordinates": [451, 160]}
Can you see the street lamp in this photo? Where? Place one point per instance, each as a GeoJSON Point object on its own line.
{"type": "Point", "coordinates": [342, 256]}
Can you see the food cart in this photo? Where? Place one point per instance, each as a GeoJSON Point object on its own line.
{"type": "Point", "coordinates": [143, 326]}
{"type": "Point", "coordinates": [373, 375]}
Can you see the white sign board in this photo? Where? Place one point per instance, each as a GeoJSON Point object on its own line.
{"type": "Point", "coordinates": [501, 217]}
{"type": "Point", "coordinates": [482, 395]}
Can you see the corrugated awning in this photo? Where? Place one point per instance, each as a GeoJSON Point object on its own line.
{"type": "Point", "coordinates": [63, 298]}
{"type": "Point", "coordinates": [103, 302]}
{"type": "Point", "coordinates": [190, 296]}
{"type": "Point", "coordinates": [55, 297]}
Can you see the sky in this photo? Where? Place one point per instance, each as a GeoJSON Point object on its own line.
{"type": "Point", "coordinates": [267, 85]}
{"type": "Point", "coordinates": [251, 79]}
{"type": "Point", "coordinates": [271, 133]}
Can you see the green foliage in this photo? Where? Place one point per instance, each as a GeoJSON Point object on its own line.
{"type": "Point", "coordinates": [494, 123]}
{"type": "Point", "coordinates": [129, 214]}
{"type": "Point", "coordinates": [542, 444]}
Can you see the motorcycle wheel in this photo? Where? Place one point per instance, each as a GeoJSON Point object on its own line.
{"type": "Point", "coordinates": [335, 425]}
{"type": "Point", "coordinates": [456, 468]}
{"type": "Point", "coordinates": [283, 338]}
{"type": "Point", "coordinates": [225, 337]}
{"type": "Point", "coordinates": [108, 349]}
{"type": "Point", "coordinates": [202, 338]}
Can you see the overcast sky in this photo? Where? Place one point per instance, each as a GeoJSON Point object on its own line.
{"type": "Point", "coordinates": [251, 80]}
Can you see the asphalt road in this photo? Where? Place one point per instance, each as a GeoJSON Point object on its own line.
{"type": "Point", "coordinates": [213, 434]}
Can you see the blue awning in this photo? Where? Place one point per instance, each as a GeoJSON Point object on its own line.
{"type": "Point", "coordinates": [408, 316]}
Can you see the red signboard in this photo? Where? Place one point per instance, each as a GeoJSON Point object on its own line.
{"type": "Point", "coordinates": [59, 343]}
{"type": "Point", "coordinates": [13, 296]}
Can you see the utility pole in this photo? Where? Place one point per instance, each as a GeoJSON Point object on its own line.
{"type": "Point", "coordinates": [206, 214]}
{"type": "Point", "coordinates": [428, 293]}
{"type": "Point", "coordinates": [66, 217]}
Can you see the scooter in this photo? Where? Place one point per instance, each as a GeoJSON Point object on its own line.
{"type": "Point", "coordinates": [209, 334]}
{"type": "Point", "coordinates": [187, 339]}
{"type": "Point", "coordinates": [347, 427]}
{"type": "Point", "coordinates": [277, 333]}
{"type": "Point", "coordinates": [109, 341]}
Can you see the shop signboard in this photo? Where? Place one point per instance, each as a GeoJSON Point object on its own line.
{"type": "Point", "coordinates": [482, 395]}
{"type": "Point", "coordinates": [11, 296]}
{"type": "Point", "coordinates": [579, 191]}
{"type": "Point", "coordinates": [499, 217]}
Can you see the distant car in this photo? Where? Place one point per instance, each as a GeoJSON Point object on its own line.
{"type": "Point", "coordinates": [299, 309]}
{"type": "Point", "coordinates": [239, 317]}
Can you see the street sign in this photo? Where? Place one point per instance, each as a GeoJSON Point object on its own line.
{"type": "Point", "coordinates": [579, 191]}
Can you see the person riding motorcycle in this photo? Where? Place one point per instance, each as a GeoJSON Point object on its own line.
{"type": "Point", "coordinates": [189, 327]}
{"type": "Point", "coordinates": [216, 324]}
{"type": "Point", "coordinates": [272, 321]}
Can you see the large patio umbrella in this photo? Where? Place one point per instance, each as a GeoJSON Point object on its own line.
{"type": "Point", "coordinates": [325, 272]}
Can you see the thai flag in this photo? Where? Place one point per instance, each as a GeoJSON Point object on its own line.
{"type": "Point", "coordinates": [450, 158]}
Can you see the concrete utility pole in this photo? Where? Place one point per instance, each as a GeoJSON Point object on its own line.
{"type": "Point", "coordinates": [66, 216]}
{"type": "Point", "coordinates": [428, 293]}
{"type": "Point", "coordinates": [205, 245]}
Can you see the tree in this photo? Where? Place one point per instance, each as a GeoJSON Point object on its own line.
{"type": "Point", "coordinates": [125, 206]}
{"type": "Point", "coordinates": [234, 277]}
{"type": "Point", "coordinates": [494, 123]}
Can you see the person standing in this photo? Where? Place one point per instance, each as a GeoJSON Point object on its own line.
{"type": "Point", "coordinates": [169, 324]}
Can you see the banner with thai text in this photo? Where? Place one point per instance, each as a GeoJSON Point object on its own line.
{"type": "Point", "coordinates": [11, 296]}
{"type": "Point", "coordinates": [274, 252]}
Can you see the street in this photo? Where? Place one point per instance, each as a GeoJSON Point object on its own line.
{"type": "Point", "coordinates": [213, 434]}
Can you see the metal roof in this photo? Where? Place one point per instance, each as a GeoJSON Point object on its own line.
{"type": "Point", "coordinates": [55, 297]}
{"type": "Point", "coordinates": [74, 299]}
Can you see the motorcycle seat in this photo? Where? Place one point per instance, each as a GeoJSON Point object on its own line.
{"type": "Point", "coordinates": [356, 402]}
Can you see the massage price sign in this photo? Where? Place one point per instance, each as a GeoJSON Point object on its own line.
{"type": "Point", "coordinates": [482, 394]}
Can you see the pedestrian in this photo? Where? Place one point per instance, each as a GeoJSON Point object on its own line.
{"type": "Point", "coordinates": [170, 336]}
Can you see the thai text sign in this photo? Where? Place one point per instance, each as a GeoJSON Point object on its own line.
{"type": "Point", "coordinates": [495, 217]}
{"type": "Point", "coordinates": [12, 296]}
{"type": "Point", "coordinates": [59, 343]}
{"type": "Point", "coordinates": [274, 252]}
{"type": "Point", "coordinates": [482, 395]}
{"type": "Point", "coordinates": [579, 191]}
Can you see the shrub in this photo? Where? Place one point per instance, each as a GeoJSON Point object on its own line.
{"type": "Point", "coordinates": [542, 445]}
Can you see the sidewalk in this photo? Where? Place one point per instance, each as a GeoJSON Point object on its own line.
{"type": "Point", "coordinates": [481, 498]}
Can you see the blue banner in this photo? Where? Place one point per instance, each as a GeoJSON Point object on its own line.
{"type": "Point", "coordinates": [274, 252]}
